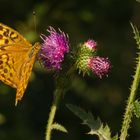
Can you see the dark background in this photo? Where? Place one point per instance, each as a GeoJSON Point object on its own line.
{"type": "Point", "coordinates": [106, 21]}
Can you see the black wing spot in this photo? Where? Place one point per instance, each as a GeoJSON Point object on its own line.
{"type": "Point", "coordinates": [1, 36]}
{"type": "Point", "coordinates": [6, 33]}
{"type": "Point", "coordinates": [2, 48]}
{"type": "Point", "coordinates": [5, 70]}
{"type": "Point", "coordinates": [6, 41]}
{"type": "Point", "coordinates": [1, 62]}
{"type": "Point", "coordinates": [1, 28]}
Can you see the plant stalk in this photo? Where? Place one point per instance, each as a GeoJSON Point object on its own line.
{"type": "Point", "coordinates": [129, 108]}
{"type": "Point", "coordinates": [57, 96]}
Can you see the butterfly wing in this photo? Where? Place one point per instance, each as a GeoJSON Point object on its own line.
{"type": "Point", "coordinates": [15, 60]}
{"type": "Point", "coordinates": [16, 67]}
{"type": "Point", "coordinates": [25, 70]}
{"type": "Point", "coordinates": [7, 70]}
{"type": "Point", "coordinates": [9, 36]}
{"type": "Point", "coordinates": [10, 42]}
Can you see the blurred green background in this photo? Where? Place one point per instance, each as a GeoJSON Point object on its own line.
{"type": "Point", "coordinates": [106, 21]}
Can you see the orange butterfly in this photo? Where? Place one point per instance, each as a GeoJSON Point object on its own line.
{"type": "Point", "coordinates": [17, 57]}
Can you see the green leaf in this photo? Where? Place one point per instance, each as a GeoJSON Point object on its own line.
{"type": "Point", "coordinates": [96, 127]}
{"type": "Point", "coordinates": [87, 117]}
{"type": "Point", "coordinates": [59, 127]}
{"type": "Point", "coordinates": [136, 108]}
{"type": "Point", "coordinates": [103, 133]}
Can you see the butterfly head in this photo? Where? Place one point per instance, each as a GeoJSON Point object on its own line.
{"type": "Point", "coordinates": [34, 49]}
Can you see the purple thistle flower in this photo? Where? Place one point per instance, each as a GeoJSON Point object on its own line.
{"type": "Point", "coordinates": [53, 49]}
{"type": "Point", "coordinates": [99, 65]}
{"type": "Point", "coordinates": [90, 44]}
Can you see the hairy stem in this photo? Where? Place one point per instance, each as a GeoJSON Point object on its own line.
{"type": "Point", "coordinates": [57, 95]}
{"type": "Point", "coordinates": [128, 113]}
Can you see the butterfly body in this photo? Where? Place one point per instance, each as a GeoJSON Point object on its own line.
{"type": "Point", "coordinates": [17, 57]}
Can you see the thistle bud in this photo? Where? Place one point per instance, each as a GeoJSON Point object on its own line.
{"type": "Point", "coordinates": [85, 52]}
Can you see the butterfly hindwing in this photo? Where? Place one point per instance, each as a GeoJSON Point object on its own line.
{"type": "Point", "coordinates": [24, 73]}
{"type": "Point", "coordinates": [7, 70]}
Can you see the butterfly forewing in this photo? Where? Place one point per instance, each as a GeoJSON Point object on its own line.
{"type": "Point", "coordinates": [9, 36]}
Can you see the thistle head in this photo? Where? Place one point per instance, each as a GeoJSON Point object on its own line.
{"type": "Point", "coordinates": [99, 65]}
{"type": "Point", "coordinates": [53, 49]}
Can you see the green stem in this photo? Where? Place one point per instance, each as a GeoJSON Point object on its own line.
{"type": "Point", "coordinates": [128, 113]}
{"type": "Point", "coordinates": [57, 95]}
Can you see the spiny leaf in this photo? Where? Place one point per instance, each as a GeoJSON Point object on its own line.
{"type": "Point", "coordinates": [59, 127]}
{"type": "Point", "coordinates": [87, 117]}
{"type": "Point", "coordinates": [136, 108]}
{"type": "Point", "coordinates": [96, 127]}
{"type": "Point", "coordinates": [103, 133]}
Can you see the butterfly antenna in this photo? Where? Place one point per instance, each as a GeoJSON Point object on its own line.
{"type": "Point", "coordinates": [34, 15]}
